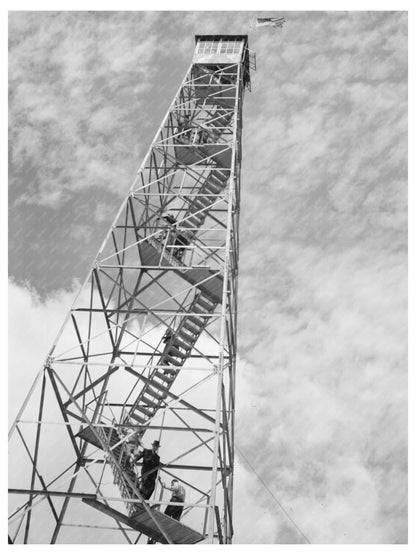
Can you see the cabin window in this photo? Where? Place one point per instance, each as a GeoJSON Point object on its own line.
{"type": "Point", "coordinates": [218, 47]}
{"type": "Point", "coordinates": [208, 47]}
{"type": "Point", "coordinates": [230, 47]}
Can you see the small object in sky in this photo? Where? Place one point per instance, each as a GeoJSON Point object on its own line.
{"type": "Point", "coordinates": [270, 21]}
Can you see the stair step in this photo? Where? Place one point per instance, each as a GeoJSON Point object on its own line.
{"type": "Point", "coordinates": [190, 327]}
{"type": "Point", "coordinates": [195, 219]}
{"type": "Point", "coordinates": [203, 310]}
{"type": "Point", "coordinates": [202, 209]}
{"type": "Point", "coordinates": [174, 351]}
{"type": "Point", "coordinates": [172, 374]}
{"type": "Point", "coordinates": [127, 491]}
{"type": "Point", "coordinates": [171, 370]}
{"type": "Point", "coordinates": [114, 440]}
{"type": "Point", "coordinates": [202, 200]}
{"type": "Point", "coordinates": [148, 401]}
{"type": "Point", "coordinates": [119, 456]}
{"type": "Point", "coordinates": [187, 336]}
{"type": "Point", "coordinates": [187, 223]}
{"type": "Point", "coordinates": [108, 441]}
{"type": "Point", "coordinates": [201, 203]}
{"type": "Point", "coordinates": [137, 417]}
{"type": "Point", "coordinates": [189, 324]}
{"type": "Point", "coordinates": [199, 222]}
{"type": "Point", "coordinates": [199, 322]}
{"type": "Point", "coordinates": [180, 342]}
{"type": "Point", "coordinates": [156, 385]}
{"type": "Point", "coordinates": [146, 411]}
{"type": "Point", "coordinates": [171, 360]}
{"type": "Point", "coordinates": [155, 393]}
{"type": "Point", "coordinates": [219, 176]}
{"type": "Point", "coordinates": [212, 188]}
{"type": "Point", "coordinates": [163, 377]}
{"type": "Point", "coordinates": [205, 303]}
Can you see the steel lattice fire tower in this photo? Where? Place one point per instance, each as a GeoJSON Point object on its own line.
{"type": "Point", "coordinates": [148, 348]}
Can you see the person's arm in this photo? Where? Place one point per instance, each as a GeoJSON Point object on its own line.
{"type": "Point", "coordinates": [138, 457]}
{"type": "Point", "coordinates": [175, 489]}
{"type": "Point", "coordinates": [164, 486]}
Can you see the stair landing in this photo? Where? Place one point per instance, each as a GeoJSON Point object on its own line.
{"type": "Point", "coordinates": [88, 435]}
{"type": "Point", "coordinates": [210, 282]}
{"type": "Point", "coordinates": [141, 521]}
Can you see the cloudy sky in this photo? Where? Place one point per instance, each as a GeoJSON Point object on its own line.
{"type": "Point", "coordinates": [322, 383]}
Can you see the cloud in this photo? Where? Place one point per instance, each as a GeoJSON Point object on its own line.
{"type": "Point", "coordinates": [327, 381]}
{"type": "Point", "coordinates": [255, 518]}
{"type": "Point", "coordinates": [68, 96]}
{"type": "Point", "coordinates": [29, 342]}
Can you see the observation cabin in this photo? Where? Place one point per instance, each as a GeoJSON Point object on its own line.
{"type": "Point", "coordinates": [220, 50]}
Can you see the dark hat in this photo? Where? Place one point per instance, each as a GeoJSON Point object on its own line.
{"type": "Point", "coordinates": [156, 442]}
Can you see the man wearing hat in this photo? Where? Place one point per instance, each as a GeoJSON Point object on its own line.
{"type": "Point", "coordinates": [150, 467]}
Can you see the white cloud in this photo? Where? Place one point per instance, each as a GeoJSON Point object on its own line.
{"type": "Point", "coordinates": [33, 325]}
{"type": "Point", "coordinates": [73, 78]}
{"type": "Point", "coordinates": [325, 392]}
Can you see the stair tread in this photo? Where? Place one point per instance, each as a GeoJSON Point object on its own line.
{"type": "Point", "coordinates": [182, 343]}
{"type": "Point", "coordinates": [163, 377]}
{"type": "Point", "coordinates": [149, 401]}
{"type": "Point", "coordinates": [205, 302]}
{"type": "Point", "coordinates": [137, 417]}
{"type": "Point", "coordinates": [152, 391]}
{"type": "Point", "coordinates": [154, 384]}
{"type": "Point", "coordinates": [174, 351]}
{"type": "Point", "coordinates": [143, 409]}
{"type": "Point", "coordinates": [197, 320]}
{"type": "Point", "coordinates": [191, 327]}
{"type": "Point", "coordinates": [171, 360]}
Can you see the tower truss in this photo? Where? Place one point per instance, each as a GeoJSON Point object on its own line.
{"type": "Point", "coordinates": [149, 344]}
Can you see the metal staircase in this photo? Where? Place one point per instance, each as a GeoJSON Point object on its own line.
{"type": "Point", "coordinates": [168, 250]}
{"type": "Point", "coordinates": [117, 458]}
{"type": "Point", "coordinates": [146, 520]}
{"type": "Point", "coordinates": [199, 206]}
{"type": "Point", "coordinates": [179, 345]}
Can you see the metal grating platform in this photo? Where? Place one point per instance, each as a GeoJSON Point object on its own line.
{"type": "Point", "coordinates": [208, 281]}
{"type": "Point", "coordinates": [141, 521]}
{"type": "Point", "coordinates": [89, 436]}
